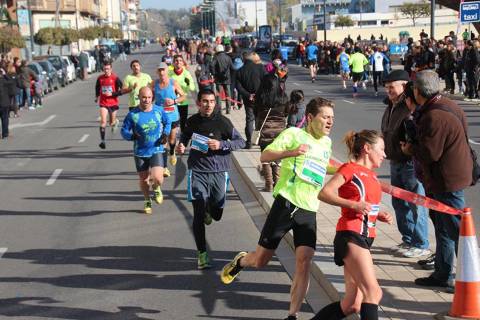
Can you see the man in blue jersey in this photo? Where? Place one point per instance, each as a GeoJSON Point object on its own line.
{"type": "Point", "coordinates": [343, 58]}
{"type": "Point", "coordinates": [312, 51]}
{"type": "Point", "coordinates": [148, 127]}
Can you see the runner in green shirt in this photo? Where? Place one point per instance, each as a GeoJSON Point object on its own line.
{"type": "Point", "coordinates": [133, 82]}
{"type": "Point", "coordinates": [357, 61]}
{"type": "Point", "coordinates": [305, 154]}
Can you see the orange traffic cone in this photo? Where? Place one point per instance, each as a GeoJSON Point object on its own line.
{"type": "Point", "coordinates": [466, 301]}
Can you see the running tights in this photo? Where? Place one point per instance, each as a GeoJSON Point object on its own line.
{"type": "Point", "coordinates": [369, 311]}
{"type": "Point", "coordinates": [331, 312]}
{"type": "Point", "coordinates": [199, 210]}
{"type": "Point", "coordinates": [172, 148]}
{"type": "Point", "coordinates": [102, 133]}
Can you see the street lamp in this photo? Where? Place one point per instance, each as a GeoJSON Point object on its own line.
{"type": "Point", "coordinates": [325, 20]}
{"type": "Point", "coordinates": [280, 13]}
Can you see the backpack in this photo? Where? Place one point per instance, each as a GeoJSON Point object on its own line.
{"type": "Point", "coordinates": [221, 73]}
{"type": "Point", "coordinates": [237, 63]}
{"type": "Point", "coordinates": [203, 77]}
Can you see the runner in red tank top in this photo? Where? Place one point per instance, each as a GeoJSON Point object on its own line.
{"type": "Point", "coordinates": [355, 189]}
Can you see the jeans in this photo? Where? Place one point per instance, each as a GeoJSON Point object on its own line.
{"type": "Point", "coordinates": [27, 99]}
{"type": "Point", "coordinates": [4, 114]}
{"type": "Point", "coordinates": [412, 220]}
{"type": "Point", "coordinates": [471, 84]}
{"type": "Point", "coordinates": [447, 229]}
{"type": "Point", "coordinates": [249, 120]}
{"type": "Point", "coordinates": [223, 91]}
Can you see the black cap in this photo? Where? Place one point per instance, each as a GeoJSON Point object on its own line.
{"type": "Point", "coordinates": [397, 75]}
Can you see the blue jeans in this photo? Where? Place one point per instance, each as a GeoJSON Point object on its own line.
{"type": "Point", "coordinates": [412, 220]}
{"type": "Point", "coordinates": [447, 229]}
{"type": "Point", "coordinates": [27, 99]}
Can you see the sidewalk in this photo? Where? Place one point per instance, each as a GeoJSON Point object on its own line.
{"type": "Point", "coordinates": [402, 299]}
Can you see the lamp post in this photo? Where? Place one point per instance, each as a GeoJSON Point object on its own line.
{"type": "Point", "coordinates": [30, 17]}
{"type": "Point", "coordinates": [256, 20]}
{"type": "Point", "coordinates": [325, 21]}
{"type": "Point", "coordinates": [432, 19]}
{"type": "Point", "coordinates": [280, 14]}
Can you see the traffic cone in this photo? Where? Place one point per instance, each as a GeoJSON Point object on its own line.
{"type": "Point", "coordinates": [466, 300]}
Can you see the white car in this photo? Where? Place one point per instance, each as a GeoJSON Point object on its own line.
{"type": "Point", "coordinates": [71, 74]}
{"type": "Point", "coordinates": [91, 62]}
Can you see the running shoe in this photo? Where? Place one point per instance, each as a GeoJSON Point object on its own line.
{"type": "Point", "coordinates": [115, 125]}
{"type": "Point", "coordinates": [173, 159]}
{"type": "Point", "coordinates": [203, 260]}
{"type": "Point", "coordinates": [414, 252]}
{"type": "Point", "coordinates": [400, 248]}
{"type": "Point", "coordinates": [39, 106]}
{"type": "Point", "coordinates": [428, 263]}
{"type": "Point", "coordinates": [102, 145]}
{"type": "Point", "coordinates": [31, 108]}
{"type": "Point", "coordinates": [158, 195]}
{"type": "Point", "coordinates": [208, 219]}
{"type": "Point", "coordinates": [166, 173]}
{"type": "Point", "coordinates": [291, 318]}
{"type": "Point", "coordinates": [147, 206]}
{"type": "Point", "coordinates": [231, 270]}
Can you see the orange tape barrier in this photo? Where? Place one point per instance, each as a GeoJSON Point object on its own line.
{"type": "Point", "coordinates": [410, 196]}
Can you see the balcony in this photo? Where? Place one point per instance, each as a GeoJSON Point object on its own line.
{"type": "Point", "coordinates": [50, 5]}
{"type": "Point", "coordinates": [89, 7]}
{"type": "Point", "coordinates": [132, 17]}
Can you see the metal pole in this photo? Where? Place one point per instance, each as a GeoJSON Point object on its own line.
{"type": "Point", "coordinates": [432, 20]}
{"type": "Point", "coordinates": [256, 20]}
{"type": "Point", "coordinates": [280, 13]}
{"type": "Point", "coordinates": [30, 18]}
{"type": "Point", "coordinates": [325, 20]}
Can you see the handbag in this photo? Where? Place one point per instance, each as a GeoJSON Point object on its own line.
{"type": "Point", "coordinates": [256, 133]}
{"type": "Point", "coordinates": [473, 154]}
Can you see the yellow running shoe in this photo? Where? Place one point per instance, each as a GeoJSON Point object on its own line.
{"type": "Point", "coordinates": [158, 195]}
{"type": "Point", "coordinates": [173, 159]}
{"type": "Point", "coordinates": [166, 172]}
{"type": "Point", "coordinates": [147, 206]}
{"type": "Point", "coordinates": [230, 271]}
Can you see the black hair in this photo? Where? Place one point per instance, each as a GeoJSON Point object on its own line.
{"type": "Point", "coordinates": [205, 91]}
{"type": "Point", "coordinates": [296, 97]}
{"type": "Point", "coordinates": [134, 61]}
{"type": "Point", "coordinates": [408, 92]}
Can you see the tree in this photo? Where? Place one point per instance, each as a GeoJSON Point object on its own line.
{"type": "Point", "coordinates": [10, 38]}
{"type": "Point", "coordinates": [89, 33]}
{"type": "Point", "coordinates": [415, 10]}
{"type": "Point", "coordinates": [343, 21]}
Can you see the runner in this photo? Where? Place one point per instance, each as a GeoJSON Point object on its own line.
{"type": "Point", "coordinates": [183, 77]}
{"type": "Point", "coordinates": [356, 190]}
{"type": "Point", "coordinates": [358, 61]}
{"type": "Point", "coordinates": [312, 51]}
{"type": "Point", "coordinates": [107, 90]}
{"type": "Point", "coordinates": [343, 59]}
{"type": "Point", "coordinates": [168, 94]}
{"type": "Point", "coordinates": [304, 155]}
{"type": "Point", "coordinates": [148, 127]}
{"type": "Point", "coordinates": [133, 82]}
{"type": "Point", "coordinates": [213, 138]}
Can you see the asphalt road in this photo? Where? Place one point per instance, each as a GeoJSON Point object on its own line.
{"type": "Point", "coordinates": [365, 112]}
{"type": "Point", "coordinates": [76, 244]}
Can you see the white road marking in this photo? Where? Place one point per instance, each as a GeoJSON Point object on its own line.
{"type": "Point", "coordinates": [318, 91]}
{"type": "Point", "coordinates": [296, 84]}
{"type": "Point", "coordinates": [32, 124]}
{"type": "Point", "coordinates": [83, 138]}
{"type": "Point", "coordinates": [473, 142]}
{"type": "Point", "coordinates": [54, 177]}
{"type": "Point", "coordinates": [2, 251]}
{"type": "Point", "coordinates": [347, 101]}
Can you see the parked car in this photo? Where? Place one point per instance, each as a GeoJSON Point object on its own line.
{"type": "Point", "coordinates": [41, 74]}
{"type": "Point", "coordinates": [53, 81]}
{"type": "Point", "coordinates": [91, 61]}
{"type": "Point", "coordinates": [61, 67]}
{"type": "Point", "coordinates": [71, 72]}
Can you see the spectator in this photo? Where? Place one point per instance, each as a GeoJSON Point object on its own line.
{"type": "Point", "coordinates": [221, 70]}
{"type": "Point", "coordinates": [439, 147]}
{"type": "Point", "coordinates": [412, 220]}
{"type": "Point", "coordinates": [7, 94]}
{"type": "Point", "coordinates": [25, 74]}
{"type": "Point", "coordinates": [296, 112]}
{"type": "Point", "coordinates": [447, 66]}
{"type": "Point", "coordinates": [12, 74]}
{"type": "Point", "coordinates": [83, 64]}
{"type": "Point", "coordinates": [471, 60]}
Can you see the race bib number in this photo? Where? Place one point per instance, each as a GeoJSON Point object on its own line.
{"type": "Point", "coordinates": [199, 143]}
{"type": "Point", "coordinates": [107, 89]}
{"type": "Point", "coordinates": [169, 109]}
{"type": "Point", "coordinates": [313, 173]}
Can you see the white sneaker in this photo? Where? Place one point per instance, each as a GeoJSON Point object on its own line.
{"type": "Point", "coordinates": [400, 248]}
{"type": "Point", "coordinates": [414, 252]}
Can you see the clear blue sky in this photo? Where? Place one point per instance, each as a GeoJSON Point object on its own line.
{"type": "Point", "coordinates": [168, 4]}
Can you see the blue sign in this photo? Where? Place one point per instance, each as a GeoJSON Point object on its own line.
{"type": "Point", "coordinates": [469, 12]}
{"type": "Point", "coordinates": [398, 48]}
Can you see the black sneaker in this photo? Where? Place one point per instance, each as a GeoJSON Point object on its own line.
{"type": "Point", "coordinates": [431, 282]}
{"type": "Point", "coordinates": [291, 318]}
{"type": "Point", "coordinates": [427, 264]}
{"type": "Point", "coordinates": [248, 145]}
{"type": "Point", "coordinates": [102, 145]}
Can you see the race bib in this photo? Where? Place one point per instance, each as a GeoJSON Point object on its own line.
{"type": "Point", "coordinates": [107, 89]}
{"type": "Point", "coordinates": [312, 172]}
{"type": "Point", "coordinates": [199, 143]}
{"type": "Point", "coordinates": [372, 215]}
{"type": "Point", "coordinates": [169, 109]}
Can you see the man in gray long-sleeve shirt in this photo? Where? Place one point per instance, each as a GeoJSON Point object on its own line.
{"type": "Point", "coordinates": [213, 139]}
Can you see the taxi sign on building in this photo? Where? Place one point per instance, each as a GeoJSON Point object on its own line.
{"type": "Point", "coordinates": [469, 12]}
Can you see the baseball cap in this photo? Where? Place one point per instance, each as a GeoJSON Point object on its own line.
{"type": "Point", "coordinates": [162, 65]}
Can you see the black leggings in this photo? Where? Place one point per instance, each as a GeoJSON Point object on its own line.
{"type": "Point", "coordinates": [200, 207]}
{"type": "Point", "coordinates": [183, 110]}
{"type": "Point", "coordinates": [377, 78]}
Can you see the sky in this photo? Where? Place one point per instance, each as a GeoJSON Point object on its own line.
{"type": "Point", "coordinates": [168, 4]}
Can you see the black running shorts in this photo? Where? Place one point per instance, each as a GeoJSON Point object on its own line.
{"type": "Point", "coordinates": [340, 244]}
{"type": "Point", "coordinates": [311, 62]}
{"type": "Point", "coordinates": [110, 109]}
{"type": "Point", "coordinates": [285, 216]}
{"type": "Point", "coordinates": [175, 124]}
{"type": "Point", "coordinates": [357, 76]}
{"type": "Point", "coordinates": [145, 163]}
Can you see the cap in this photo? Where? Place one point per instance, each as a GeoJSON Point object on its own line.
{"type": "Point", "coordinates": [397, 75]}
{"type": "Point", "coordinates": [219, 48]}
{"type": "Point", "coordinates": [162, 65]}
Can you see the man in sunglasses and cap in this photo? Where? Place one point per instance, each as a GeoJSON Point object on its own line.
{"type": "Point", "coordinates": [412, 220]}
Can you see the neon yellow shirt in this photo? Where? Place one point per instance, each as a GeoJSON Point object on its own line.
{"type": "Point", "coordinates": [302, 177]}
{"type": "Point", "coordinates": [357, 61]}
{"type": "Point", "coordinates": [142, 80]}
{"type": "Point", "coordinates": [187, 88]}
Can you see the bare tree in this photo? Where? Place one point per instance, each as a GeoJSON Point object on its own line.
{"type": "Point", "coordinates": [415, 10]}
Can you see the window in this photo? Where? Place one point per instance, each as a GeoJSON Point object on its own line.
{"type": "Point", "coordinates": [384, 22]}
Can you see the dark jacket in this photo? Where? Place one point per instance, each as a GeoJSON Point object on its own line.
{"type": "Point", "coordinates": [271, 93]}
{"type": "Point", "coordinates": [442, 148]}
{"type": "Point", "coordinates": [221, 68]}
{"type": "Point", "coordinates": [24, 76]}
{"type": "Point", "coordinates": [216, 127]}
{"type": "Point", "coordinates": [249, 78]}
{"type": "Point", "coordinates": [7, 91]}
{"type": "Point", "coordinates": [447, 62]}
{"type": "Point", "coordinates": [295, 118]}
{"type": "Point", "coordinates": [470, 59]}
{"type": "Point", "coordinates": [392, 128]}
{"type": "Point", "coordinates": [274, 123]}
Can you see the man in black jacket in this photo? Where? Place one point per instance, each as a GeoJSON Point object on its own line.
{"type": "Point", "coordinates": [248, 81]}
{"type": "Point", "coordinates": [221, 68]}
{"type": "Point", "coordinates": [471, 61]}
{"type": "Point", "coordinates": [7, 92]}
